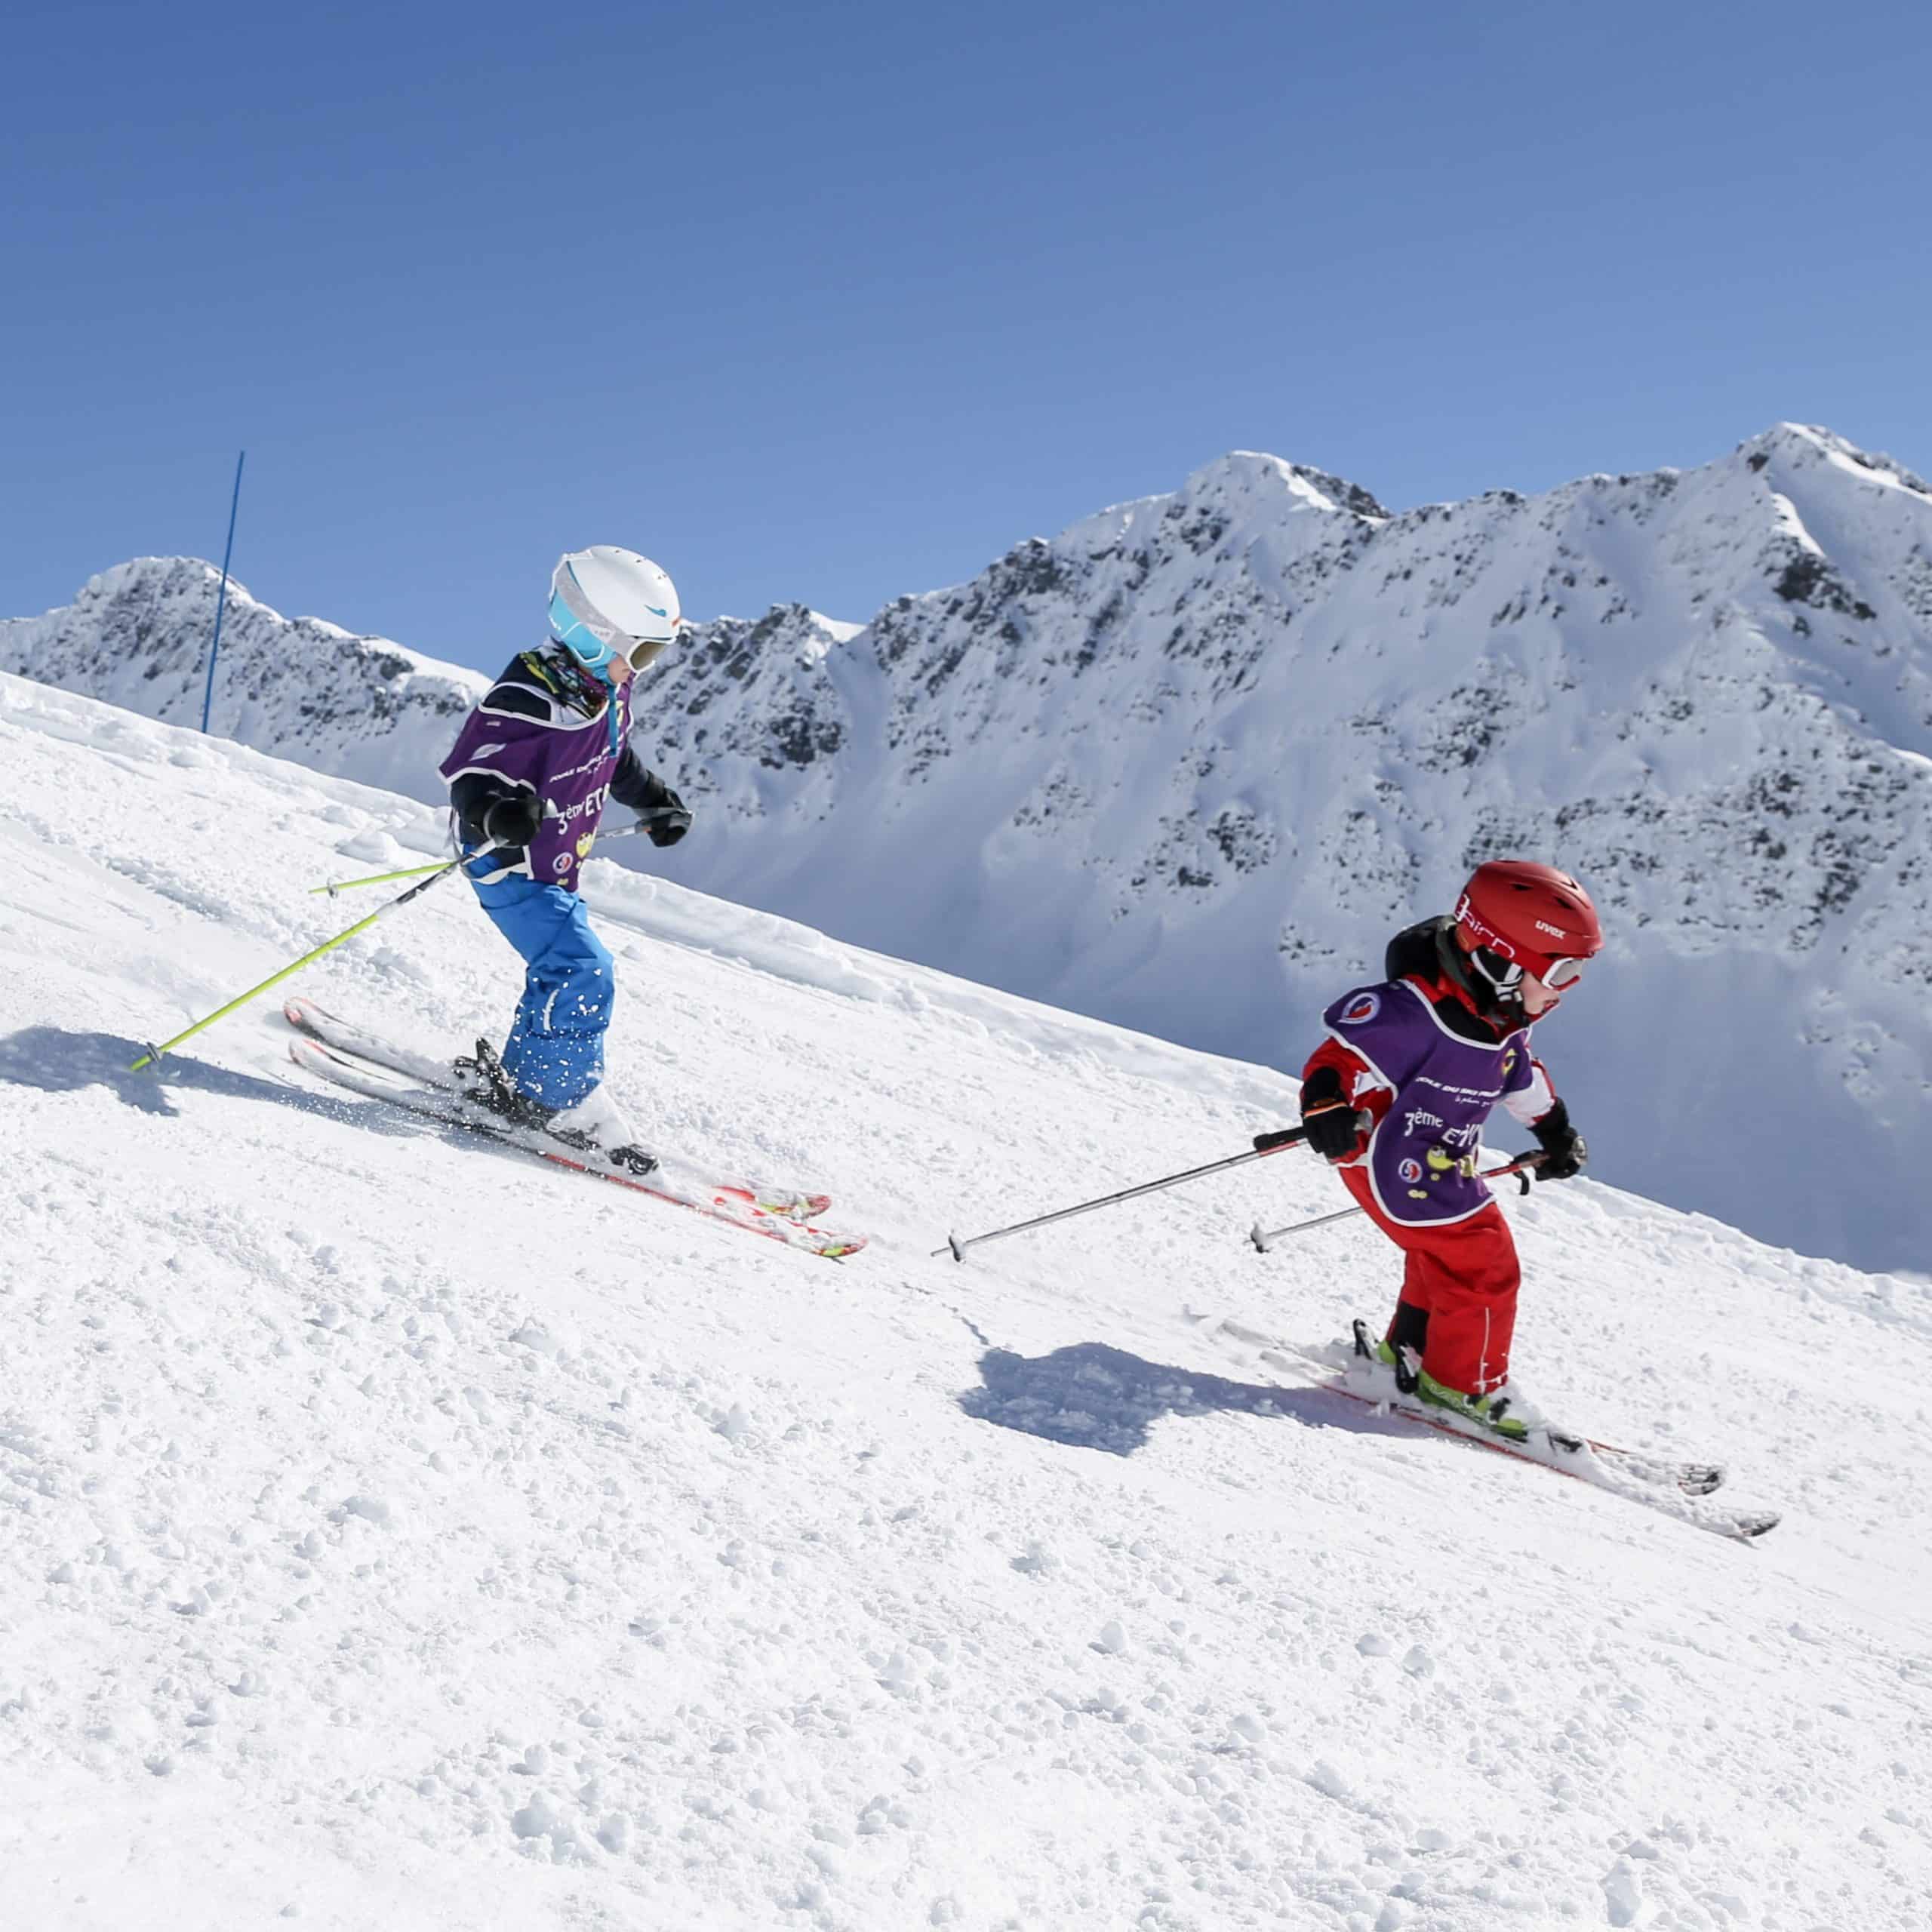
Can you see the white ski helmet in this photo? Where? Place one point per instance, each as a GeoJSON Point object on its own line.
{"type": "Point", "coordinates": [606, 601]}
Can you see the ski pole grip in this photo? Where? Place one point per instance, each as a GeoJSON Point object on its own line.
{"type": "Point", "coordinates": [1282, 1137]}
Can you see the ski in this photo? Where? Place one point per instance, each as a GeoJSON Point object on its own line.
{"type": "Point", "coordinates": [360, 1043]}
{"type": "Point", "coordinates": [1692, 1478]}
{"type": "Point", "coordinates": [1677, 1489]}
{"type": "Point", "coordinates": [732, 1206]}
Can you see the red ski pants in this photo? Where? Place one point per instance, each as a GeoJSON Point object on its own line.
{"type": "Point", "coordinates": [1464, 1276]}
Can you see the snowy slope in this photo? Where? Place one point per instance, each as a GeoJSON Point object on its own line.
{"type": "Point", "coordinates": [401, 1535]}
{"type": "Point", "coordinates": [1186, 765]}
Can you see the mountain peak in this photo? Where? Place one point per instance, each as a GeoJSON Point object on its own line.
{"type": "Point", "coordinates": [1808, 444]}
{"type": "Point", "coordinates": [1254, 477]}
{"type": "Point", "coordinates": [1231, 736]}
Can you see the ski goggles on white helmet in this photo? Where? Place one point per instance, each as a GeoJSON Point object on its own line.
{"type": "Point", "coordinates": [595, 642]}
{"type": "Point", "coordinates": [607, 603]}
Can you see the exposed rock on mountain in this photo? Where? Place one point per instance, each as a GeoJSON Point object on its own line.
{"type": "Point", "coordinates": [1186, 764]}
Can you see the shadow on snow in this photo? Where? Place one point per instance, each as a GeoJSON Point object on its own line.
{"type": "Point", "coordinates": [1091, 1396]}
{"type": "Point", "coordinates": [56, 1061]}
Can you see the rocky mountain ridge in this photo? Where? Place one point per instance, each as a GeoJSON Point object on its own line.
{"type": "Point", "coordinates": [1187, 763]}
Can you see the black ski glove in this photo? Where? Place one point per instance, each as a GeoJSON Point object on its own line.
{"type": "Point", "coordinates": [1330, 1126]}
{"type": "Point", "coordinates": [1332, 1131]}
{"type": "Point", "coordinates": [667, 818]}
{"type": "Point", "coordinates": [1565, 1153]}
{"type": "Point", "coordinates": [512, 821]}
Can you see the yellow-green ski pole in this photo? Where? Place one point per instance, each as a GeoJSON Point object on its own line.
{"type": "Point", "coordinates": [152, 1056]}
{"type": "Point", "coordinates": [333, 886]}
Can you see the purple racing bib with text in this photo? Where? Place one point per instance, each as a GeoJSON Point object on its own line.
{"type": "Point", "coordinates": [1422, 1158]}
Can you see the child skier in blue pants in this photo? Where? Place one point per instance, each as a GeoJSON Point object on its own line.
{"type": "Point", "coordinates": [529, 775]}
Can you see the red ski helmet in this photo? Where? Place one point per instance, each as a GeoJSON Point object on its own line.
{"type": "Point", "coordinates": [1516, 917]}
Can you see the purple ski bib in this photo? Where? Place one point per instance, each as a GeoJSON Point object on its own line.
{"type": "Point", "coordinates": [568, 764]}
{"type": "Point", "coordinates": [1422, 1157]}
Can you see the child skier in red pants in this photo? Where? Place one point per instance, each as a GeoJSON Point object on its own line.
{"type": "Point", "coordinates": [1396, 1097]}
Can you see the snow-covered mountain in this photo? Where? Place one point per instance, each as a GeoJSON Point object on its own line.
{"type": "Point", "coordinates": [398, 1533]}
{"type": "Point", "coordinates": [360, 707]}
{"type": "Point", "coordinates": [1187, 764]}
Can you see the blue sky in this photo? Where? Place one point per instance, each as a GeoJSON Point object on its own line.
{"type": "Point", "coordinates": [833, 302]}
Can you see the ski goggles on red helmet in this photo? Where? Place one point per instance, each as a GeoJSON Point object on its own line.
{"type": "Point", "coordinates": [1506, 975]}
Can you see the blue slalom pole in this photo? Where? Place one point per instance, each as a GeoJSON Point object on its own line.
{"type": "Point", "coordinates": [221, 596]}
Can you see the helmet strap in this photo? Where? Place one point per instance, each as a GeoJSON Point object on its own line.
{"type": "Point", "coordinates": [1489, 999]}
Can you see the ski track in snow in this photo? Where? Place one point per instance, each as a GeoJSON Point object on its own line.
{"type": "Point", "coordinates": [400, 1534]}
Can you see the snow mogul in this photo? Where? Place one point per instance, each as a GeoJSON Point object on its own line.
{"type": "Point", "coordinates": [528, 778]}
{"type": "Point", "coordinates": [1395, 1098]}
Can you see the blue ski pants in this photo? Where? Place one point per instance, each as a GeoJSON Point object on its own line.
{"type": "Point", "coordinates": [555, 1050]}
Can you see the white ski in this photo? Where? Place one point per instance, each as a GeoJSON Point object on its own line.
{"type": "Point", "coordinates": [1675, 1489]}
{"type": "Point", "coordinates": [440, 1101]}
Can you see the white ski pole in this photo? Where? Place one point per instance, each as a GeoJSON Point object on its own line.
{"type": "Point", "coordinates": [1265, 1144]}
{"type": "Point", "coordinates": [1520, 1166]}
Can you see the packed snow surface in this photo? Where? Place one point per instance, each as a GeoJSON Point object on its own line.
{"type": "Point", "coordinates": [400, 1533]}
{"type": "Point", "coordinates": [1185, 765]}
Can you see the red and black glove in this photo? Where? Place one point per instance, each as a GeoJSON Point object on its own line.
{"type": "Point", "coordinates": [1565, 1153]}
{"type": "Point", "coordinates": [1329, 1124]}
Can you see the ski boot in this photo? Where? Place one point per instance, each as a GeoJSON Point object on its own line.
{"type": "Point", "coordinates": [595, 1125]}
{"type": "Point", "coordinates": [1401, 1348]}
{"type": "Point", "coordinates": [482, 1078]}
{"type": "Point", "coordinates": [1503, 1411]}
{"type": "Point", "coordinates": [1402, 1361]}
